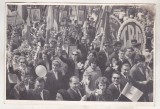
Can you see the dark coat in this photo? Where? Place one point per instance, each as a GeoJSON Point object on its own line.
{"type": "Point", "coordinates": [33, 95]}
{"type": "Point", "coordinates": [20, 95]}
{"type": "Point", "coordinates": [137, 75]}
{"type": "Point", "coordinates": [102, 59]}
{"type": "Point", "coordinates": [75, 96]}
{"type": "Point", "coordinates": [84, 50]}
{"type": "Point", "coordinates": [115, 91]}
{"type": "Point", "coordinates": [52, 84]}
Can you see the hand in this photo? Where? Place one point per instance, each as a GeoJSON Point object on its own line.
{"type": "Point", "coordinates": [98, 92]}
{"type": "Point", "coordinates": [84, 98]}
{"type": "Point", "coordinates": [87, 82]}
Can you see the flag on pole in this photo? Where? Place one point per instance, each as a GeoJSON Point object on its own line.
{"type": "Point", "coordinates": [22, 12]}
{"type": "Point", "coordinates": [51, 22]}
{"type": "Point", "coordinates": [27, 27]}
{"type": "Point", "coordinates": [131, 92]}
{"type": "Point", "coordinates": [49, 18]}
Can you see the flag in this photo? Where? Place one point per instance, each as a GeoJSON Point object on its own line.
{"type": "Point", "coordinates": [49, 18]}
{"type": "Point", "coordinates": [131, 92]}
{"type": "Point", "coordinates": [22, 12]}
{"type": "Point", "coordinates": [27, 27]}
{"type": "Point", "coordinates": [51, 22]}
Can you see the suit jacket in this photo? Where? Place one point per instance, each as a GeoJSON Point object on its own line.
{"type": "Point", "coordinates": [33, 95]}
{"type": "Point", "coordinates": [115, 91]}
{"type": "Point", "coordinates": [52, 84]}
{"type": "Point", "coordinates": [20, 95]}
{"type": "Point", "coordinates": [139, 75]}
{"type": "Point", "coordinates": [75, 96]}
{"type": "Point", "coordinates": [124, 80]}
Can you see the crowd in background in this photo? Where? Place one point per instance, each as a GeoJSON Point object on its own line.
{"type": "Point", "coordinates": [87, 74]}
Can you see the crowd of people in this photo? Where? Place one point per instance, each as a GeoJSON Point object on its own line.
{"type": "Point", "coordinates": [89, 73]}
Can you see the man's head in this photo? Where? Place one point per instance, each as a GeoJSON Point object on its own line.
{"type": "Point", "coordinates": [56, 65]}
{"type": "Point", "coordinates": [93, 63]}
{"type": "Point", "coordinates": [22, 61]}
{"type": "Point", "coordinates": [140, 59]}
{"type": "Point", "coordinates": [116, 78]}
{"type": "Point", "coordinates": [74, 82]}
{"type": "Point", "coordinates": [117, 45]}
{"type": "Point", "coordinates": [39, 84]}
{"type": "Point", "coordinates": [133, 42]}
{"type": "Point", "coordinates": [121, 54]}
{"type": "Point", "coordinates": [129, 52]}
{"type": "Point", "coordinates": [74, 55]}
{"type": "Point", "coordinates": [125, 69]}
{"type": "Point", "coordinates": [83, 40]}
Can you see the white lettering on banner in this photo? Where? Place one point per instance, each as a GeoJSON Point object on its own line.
{"type": "Point", "coordinates": [131, 29]}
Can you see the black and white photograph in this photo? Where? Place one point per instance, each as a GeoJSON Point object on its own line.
{"type": "Point", "coordinates": [85, 52]}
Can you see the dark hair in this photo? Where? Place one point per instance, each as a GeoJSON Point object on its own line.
{"type": "Point", "coordinates": [130, 48]}
{"type": "Point", "coordinates": [116, 72]}
{"type": "Point", "coordinates": [70, 80]}
{"type": "Point", "coordinates": [102, 80]}
{"type": "Point", "coordinates": [116, 43]}
{"type": "Point", "coordinates": [114, 58]}
{"type": "Point", "coordinates": [139, 58]}
{"type": "Point", "coordinates": [40, 79]}
{"type": "Point", "coordinates": [133, 40]}
{"type": "Point", "coordinates": [125, 64]}
{"type": "Point", "coordinates": [93, 52]}
{"type": "Point", "coordinates": [64, 94]}
{"type": "Point", "coordinates": [122, 50]}
{"type": "Point", "coordinates": [94, 60]}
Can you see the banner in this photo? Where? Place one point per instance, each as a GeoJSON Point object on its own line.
{"type": "Point", "coordinates": [35, 14]}
{"type": "Point", "coordinates": [131, 29]}
{"type": "Point", "coordinates": [131, 92]}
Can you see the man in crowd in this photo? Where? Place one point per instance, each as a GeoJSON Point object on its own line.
{"type": "Point", "coordinates": [121, 58]}
{"type": "Point", "coordinates": [141, 77]}
{"type": "Point", "coordinates": [54, 79]}
{"type": "Point", "coordinates": [125, 69]}
{"type": "Point", "coordinates": [115, 87]}
{"type": "Point", "coordinates": [38, 93]}
{"type": "Point", "coordinates": [75, 92]}
{"type": "Point", "coordinates": [129, 55]}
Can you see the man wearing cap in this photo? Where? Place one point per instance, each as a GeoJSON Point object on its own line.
{"type": "Point", "coordinates": [54, 79]}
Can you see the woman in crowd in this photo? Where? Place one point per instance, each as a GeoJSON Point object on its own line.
{"type": "Point", "coordinates": [94, 71]}
{"type": "Point", "coordinates": [113, 67]}
{"type": "Point", "coordinates": [101, 93]}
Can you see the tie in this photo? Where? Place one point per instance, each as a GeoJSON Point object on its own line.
{"type": "Point", "coordinates": [117, 86]}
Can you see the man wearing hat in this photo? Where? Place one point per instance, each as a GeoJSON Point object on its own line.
{"type": "Point", "coordinates": [54, 79]}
